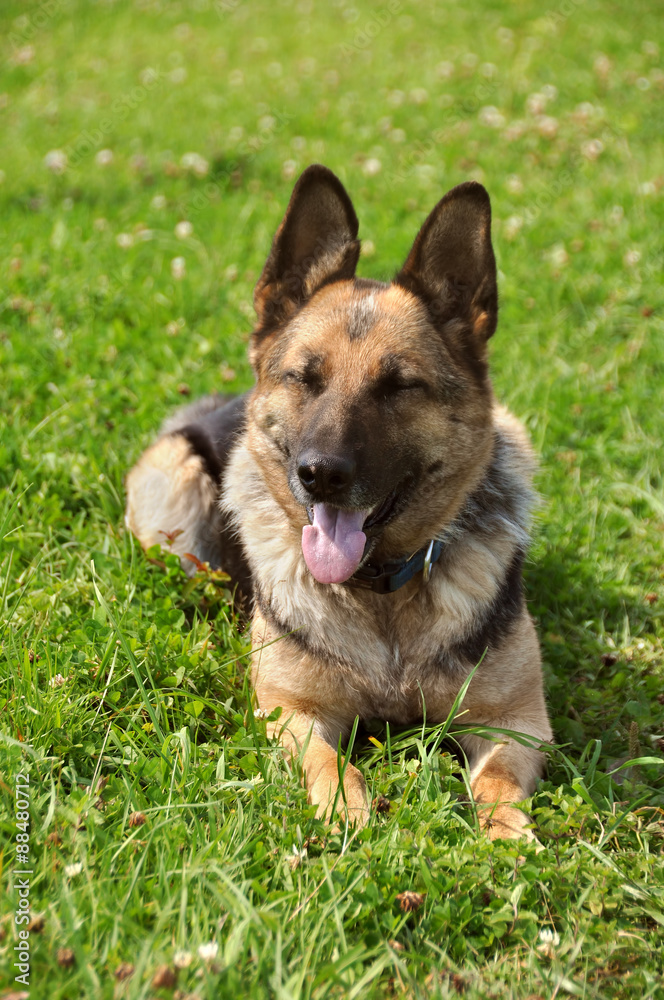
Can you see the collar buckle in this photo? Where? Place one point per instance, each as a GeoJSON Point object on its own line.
{"type": "Point", "coordinates": [428, 562]}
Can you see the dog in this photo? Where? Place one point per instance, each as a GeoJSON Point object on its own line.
{"type": "Point", "coordinates": [370, 498]}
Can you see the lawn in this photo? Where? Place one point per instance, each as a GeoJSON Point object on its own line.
{"type": "Point", "coordinates": [147, 152]}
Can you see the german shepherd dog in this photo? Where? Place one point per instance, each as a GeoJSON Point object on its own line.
{"type": "Point", "coordinates": [371, 497]}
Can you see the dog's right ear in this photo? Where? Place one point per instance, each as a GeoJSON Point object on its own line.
{"type": "Point", "coordinates": [315, 244]}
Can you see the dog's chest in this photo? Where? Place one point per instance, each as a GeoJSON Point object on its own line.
{"type": "Point", "coordinates": [390, 655]}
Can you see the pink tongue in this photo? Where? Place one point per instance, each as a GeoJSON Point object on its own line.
{"type": "Point", "coordinates": [334, 544]}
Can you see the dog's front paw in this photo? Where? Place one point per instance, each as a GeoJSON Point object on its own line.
{"type": "Point", "coordinates": [351, 800]}
{"type": "Point", "coordinates": [505, 822]}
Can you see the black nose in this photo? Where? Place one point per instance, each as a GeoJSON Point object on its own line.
{"type": "Point", "coordinates": [325, 476]}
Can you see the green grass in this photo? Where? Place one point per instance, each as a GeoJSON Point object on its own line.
{"type": "Point", "coordinates": [99, 341]}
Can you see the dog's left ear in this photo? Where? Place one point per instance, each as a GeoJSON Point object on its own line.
{"type": "Point", "coordinates": [316, 243]}
{"type": "Point", "coordinates": [451, 265]}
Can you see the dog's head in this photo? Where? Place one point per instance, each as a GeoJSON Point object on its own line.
{"type": "Point", "coordinates": [371, 417]}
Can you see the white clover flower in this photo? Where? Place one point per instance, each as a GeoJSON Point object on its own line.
{"type": "Point", "coordinates": [196, 163]}
{"type": "Point", "coordinates": [261, 713]}
{"type": "Point", "coordinates": [148, 76]}
{"type": "Point", "coordinates": [56, 161]}
{"type": "Point", "coordinates": [548, 941]}
{"type": "Point", "coordinates": [178, 268]}
{"type": "Point", "coordinates": [395, 98]}
{"type": "Point", "coordinates": [558, 256]}
{"type": "Point", "coordinates": [602, 65]}
{"type": "Point", "coordinates": [208, 952]}
{"type": "Point", "coordinates": [535, 104]}
{"type": "Point", "coordinates": [547, 126]}
{"type": "Point", "coordinates": [158, 202]}
{"type": "Point", "coordinates": [492, 117]}
{"type": "Point", "coordinates": [514, 184]}
{"type": "Point", "coordinates": [294, 860]}
{"type": "Point", "coordinates": [372, 166]}
{"type": "Point", "coordinates": [58, 680]}
{"type": "Point", "coordinates": [72, 870]}
{"type": "Point", "coordinates": [592, 149]}
{"type": "Point", "coordinates": [514, 131]}
{"type": "Point", "coordinates": [104, 157]}
{"type": "Point", "coordinates": [631, 258]}
{"type": "Point", "coordinates": [24, 55]}
{"type": "Point", "coordinates": [124, 240]}
{"type": "Point", "coordinates": [512, 227]}
{"type": "Point", "coordinates": [184, 229]}
{"type": "Point", "coordinates": [584, 111]}
{"type": "Point", "coordinates": [444, 69]}
{"type": "Point", "coordinates": [174, 327]}
{"type": "Point", "coordinates": [418, 95]}
{"type": "Point", "coordinates": [368, 248]}
{"type": "Point", "coordinates": [183, 959]}
{"type": "Point", "coordinates": [288, 169]}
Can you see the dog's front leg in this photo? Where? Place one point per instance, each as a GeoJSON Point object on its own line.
{"type": "Point", "coordinates": [504, 773]}
{"type": "Point", "coordinates": [311, 723]}
{"type": "Point", "coordinates": [299, 731]}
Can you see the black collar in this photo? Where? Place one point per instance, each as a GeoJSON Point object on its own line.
{"type": "Point", "coordinates": [390, 576]}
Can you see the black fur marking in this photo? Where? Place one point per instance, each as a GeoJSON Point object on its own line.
{"type": "Point", "coordinates": [282, 628]}
{"type": "Point", "coordinates": [299, 636]}
{"type": "Point", "coordinates": [309, 374]}
{"type": "Point", "coordinates": [201, 445]}
{"type": "Point", "coordinates": [210, 430]}
{"type": "Point", "coordinates": [497, 621]}
{"type": "Point", "coordinates": [210, 427]}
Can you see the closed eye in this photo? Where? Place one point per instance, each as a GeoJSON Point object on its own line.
{"type": "Point", "coordinates": [306, 379]}
{"type": "Point", "coordinates": [391, 385]}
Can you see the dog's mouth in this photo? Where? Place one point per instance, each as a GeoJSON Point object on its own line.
{"type": "Point", "coordinates": [334, 542]}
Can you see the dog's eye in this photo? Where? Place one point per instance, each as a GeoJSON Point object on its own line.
{"type": "Point", "coordinates": [306, 379]}
{"type": "Point", "coordinates": [392, 385]}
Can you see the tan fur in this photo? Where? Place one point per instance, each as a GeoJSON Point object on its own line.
{"type": "Point", "coordinates": [168, 497]}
